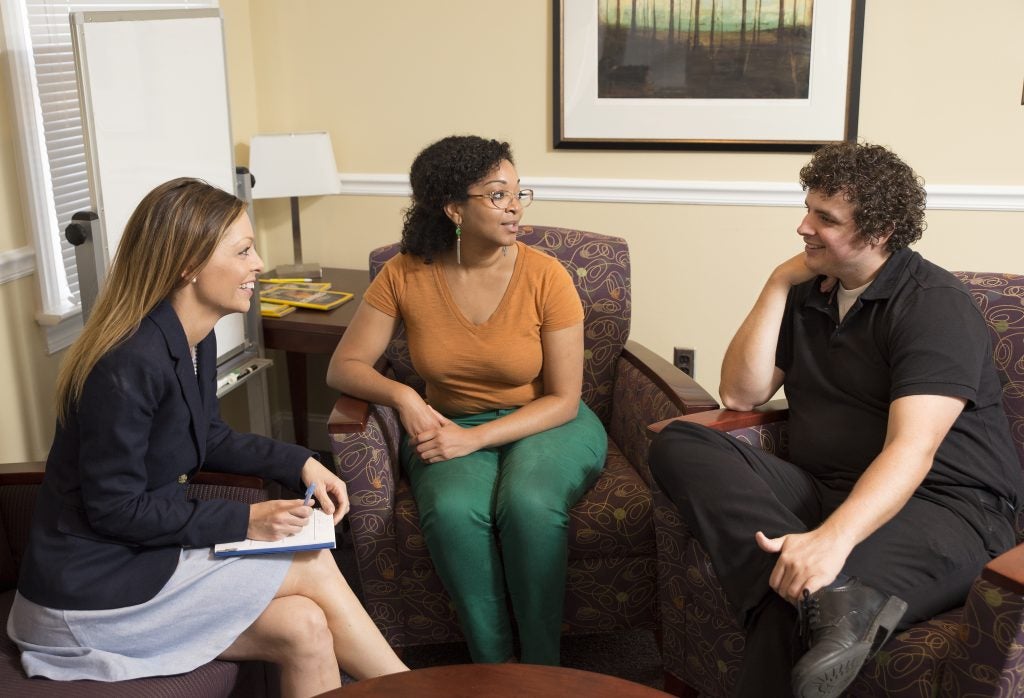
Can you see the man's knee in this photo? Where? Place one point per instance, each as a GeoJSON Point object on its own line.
{"type": "Point", "coordinates": [677, 450]}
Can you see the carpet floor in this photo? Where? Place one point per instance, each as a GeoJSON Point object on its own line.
{"type": "Point", "coordinates": [633, 655]}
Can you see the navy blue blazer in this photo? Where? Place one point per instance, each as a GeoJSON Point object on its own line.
{"type": "Point", "coordinates": [112, 516]}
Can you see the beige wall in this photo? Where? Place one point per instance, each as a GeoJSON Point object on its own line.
{"type": "Point", "coordinates": [387, 78]}
{"type": "Point", "coordinates": [27, 374]}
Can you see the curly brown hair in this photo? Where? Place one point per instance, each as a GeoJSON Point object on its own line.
{"type": "Point", "coordinates": [442, 173]}
{"type": "Point", "coordinates": [886, 194]}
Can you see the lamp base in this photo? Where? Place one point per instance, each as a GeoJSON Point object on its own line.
{"type": "Point", "coordinates": [309, 270]}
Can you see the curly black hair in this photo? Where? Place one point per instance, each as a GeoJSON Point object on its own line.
{"type": "Point", "coordinates": [440, 174]}
{"type": "Point", "coordinates": [885, 192]}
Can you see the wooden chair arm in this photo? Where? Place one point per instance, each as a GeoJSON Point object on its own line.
{"type": "Point", "coordinates": [27, 475]}
{"type": "Point", "coordinates": [31, 476]}
{"type": "Point", "coordinates": [348, 416]}
{"type": "Point", "coordinates": [207, 477]}
{"type": "Point", "coordinates": [728, 420]}
{"type": "Point", "coordinates": [687, 393]}
{"type": "Point", "coordinates": [351, 414]}
{"type": "Point", "coordinates": [1007, 570]}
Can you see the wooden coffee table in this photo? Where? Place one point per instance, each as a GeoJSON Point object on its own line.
{"type": "Point", "coordinates": [495, 681]}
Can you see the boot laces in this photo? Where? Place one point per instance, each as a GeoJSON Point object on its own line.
{"type": "Point", "coordinates": [810, 614]}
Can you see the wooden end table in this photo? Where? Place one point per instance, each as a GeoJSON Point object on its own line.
{"type": "Point", "coordinates": [495, 681]}
{"type": "Point", "coordinates": [312, 332]}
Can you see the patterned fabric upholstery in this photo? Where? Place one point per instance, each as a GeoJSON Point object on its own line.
{"type": "Point", "coordinates": [975, 650]}
{"type": "Point", "coordinates": [991, 639]}
{"type": "Point", "coordinates": [612, 564]}
{"type": "Point", "coordinates": [1001, 299]}
{"type": "Point", "coordinates": [213, 680]}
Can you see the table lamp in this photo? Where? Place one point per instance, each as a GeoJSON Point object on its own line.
{"type": "Point", "coordinates": [293, 165]}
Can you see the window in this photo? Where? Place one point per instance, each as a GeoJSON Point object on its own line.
{"type": "Point", "coordinates": [52, 149]}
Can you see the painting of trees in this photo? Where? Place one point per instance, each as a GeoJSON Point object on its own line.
{"type": "Point", "coordinates": [704, 49]}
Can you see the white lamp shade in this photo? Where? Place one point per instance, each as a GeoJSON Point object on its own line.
{"type": "Point", "coordinates": [293, 164]}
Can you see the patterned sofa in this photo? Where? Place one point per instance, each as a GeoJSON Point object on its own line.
{"type": "Point", "coordinates": [216, 679]}
{"type": "Point", "coordinates": [612, 568]}
{"type": "Point", "coordinates": [976, 650]}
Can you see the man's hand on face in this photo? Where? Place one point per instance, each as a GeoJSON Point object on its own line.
{"type": "Point", "coordinates": [795, 271]}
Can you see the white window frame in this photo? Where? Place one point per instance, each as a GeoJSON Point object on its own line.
{"type": "Point", "coordinates": [60, 317]}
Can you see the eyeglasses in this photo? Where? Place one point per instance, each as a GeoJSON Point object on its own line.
{"type": "Point", "coordinates": [501, 199]}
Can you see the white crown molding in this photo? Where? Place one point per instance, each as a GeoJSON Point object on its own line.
{"type": "Point", "coordinates": [353, 184]}
{"type": "Point", "coordinates": [963, 197]}
{"type": "Point", "coordinates": [659, 191]}
{"type": "Point", "coordinates": [664, 191]}
{"type": "Point", "coordinates": [17, 263]}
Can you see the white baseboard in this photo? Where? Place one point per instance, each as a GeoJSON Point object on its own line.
{"type": "Point", "coordinates": [282, 430]}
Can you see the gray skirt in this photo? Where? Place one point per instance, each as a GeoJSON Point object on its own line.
{"type": "Point", "coordinates": [205, 605]}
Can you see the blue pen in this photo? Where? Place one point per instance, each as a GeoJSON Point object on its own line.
{"type": "Point", "coordinates": [309, 494]}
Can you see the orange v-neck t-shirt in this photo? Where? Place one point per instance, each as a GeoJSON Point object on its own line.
{"type": "Point", "coordinates": [471, 368]}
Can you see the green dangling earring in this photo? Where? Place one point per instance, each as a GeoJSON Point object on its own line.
{"type": "Point", "coordinates": [458, 245]}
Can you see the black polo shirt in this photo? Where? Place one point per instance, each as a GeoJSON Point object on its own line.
{"type": "Point", "coordinates": [914, 331]}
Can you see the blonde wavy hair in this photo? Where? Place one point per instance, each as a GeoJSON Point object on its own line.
{"type": "Point", "coordinates": [168, 240]}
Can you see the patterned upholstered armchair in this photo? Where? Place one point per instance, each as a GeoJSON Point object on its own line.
{"type": "Point", "coordinates": [977, 650]}
{"type": "Point", "coordinates": [612, 569]}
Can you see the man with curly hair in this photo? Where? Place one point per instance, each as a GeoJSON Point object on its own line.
{"type": "Point", "coordinates": [901, 480]}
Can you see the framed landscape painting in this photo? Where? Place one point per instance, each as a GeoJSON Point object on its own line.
{"type": "Point", "coordinates": [765, 75]}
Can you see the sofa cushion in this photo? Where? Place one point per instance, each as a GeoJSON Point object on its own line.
{"type": "Point", "coordinates": [212, 680]}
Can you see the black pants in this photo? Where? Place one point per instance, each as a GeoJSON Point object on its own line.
{"type": "Point", "coordinates": [726, 490]}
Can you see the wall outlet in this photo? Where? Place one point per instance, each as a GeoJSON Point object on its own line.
{"type": "Point", "coordinates": [683, 360]}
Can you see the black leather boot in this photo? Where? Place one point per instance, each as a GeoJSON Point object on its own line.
{"type": "Point", "coordinates": [842, 627]}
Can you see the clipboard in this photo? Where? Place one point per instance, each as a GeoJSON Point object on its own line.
{"type": "Point", "coordinates": [317, 534]}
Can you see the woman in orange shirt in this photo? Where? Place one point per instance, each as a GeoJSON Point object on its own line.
{"type": "Point", "coordinates": [501, 446]}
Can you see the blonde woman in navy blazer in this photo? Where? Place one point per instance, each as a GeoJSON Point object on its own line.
{"type": "Point", "coordinates": [118, 580]}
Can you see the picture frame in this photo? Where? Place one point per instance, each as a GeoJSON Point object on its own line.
{"type": "Point", "coordinates": [700, 75]}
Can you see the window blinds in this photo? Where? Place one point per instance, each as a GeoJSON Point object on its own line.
{"type": "Point", "coordinates": [53, 59]}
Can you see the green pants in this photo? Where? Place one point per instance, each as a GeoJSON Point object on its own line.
{"type": "Point", "coordinates": [517, 495]}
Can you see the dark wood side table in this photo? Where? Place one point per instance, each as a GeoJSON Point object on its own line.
{"type": "Point", "coordinates": [495, 681]}
{"type": "Point", "coordinates": [312, 332]}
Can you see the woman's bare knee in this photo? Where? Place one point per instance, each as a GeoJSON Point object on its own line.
{"type": "Point", "coordinates": [306, 631]}
{"type": "Point", "coordinates": [290, 629]}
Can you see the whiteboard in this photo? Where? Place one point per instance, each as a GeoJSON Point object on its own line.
{"type": "Point", "coordinates": [153, 90]}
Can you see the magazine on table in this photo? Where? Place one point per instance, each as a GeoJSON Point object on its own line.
{"type": "Point", "coordinates": [302, 298]}
{"type": "Point", "coordinates": [300, 285]}
{"type": "Point", "coordinates": [275, 309]}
